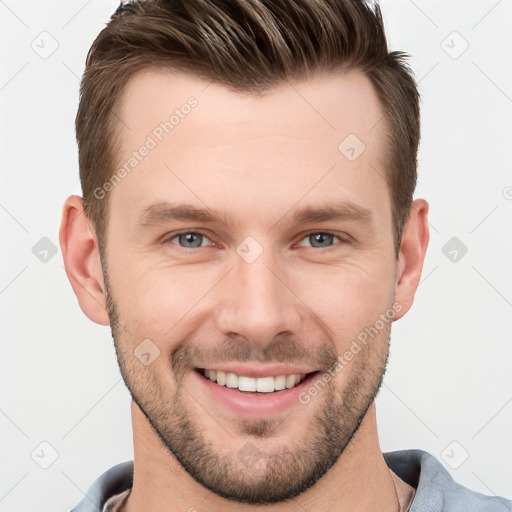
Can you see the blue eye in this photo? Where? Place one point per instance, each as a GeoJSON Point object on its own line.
{"type": "Point", "coordinates": [191, 239]}
{"type": "Point", "coordinates": [194, 239]}
{"type": "Point", "coordinates": [321, 237]}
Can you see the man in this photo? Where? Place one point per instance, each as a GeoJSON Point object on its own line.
{"type": "Point", "coordinates": [248, 231]}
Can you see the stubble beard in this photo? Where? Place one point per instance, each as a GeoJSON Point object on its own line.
{"type": "Point", "coordinates": [251, 474]}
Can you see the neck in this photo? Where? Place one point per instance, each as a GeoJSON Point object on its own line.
{"type": "Point", "coordinates": [359, 481]}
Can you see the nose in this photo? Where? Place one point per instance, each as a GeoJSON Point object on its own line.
{"type": "Point", "coordinates": [258, 303]}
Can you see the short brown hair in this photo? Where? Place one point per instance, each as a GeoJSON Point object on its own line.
{"type": "Point", "coordinates": [248, 46]}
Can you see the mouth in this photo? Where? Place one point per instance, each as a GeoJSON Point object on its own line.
{"type": "Point", "coordinates": [254, 392]}
{"type": "Point", "coordinates": [261, 385]}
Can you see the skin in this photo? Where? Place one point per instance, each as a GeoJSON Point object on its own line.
{"type": "Point", "coordinates": [257, 160]}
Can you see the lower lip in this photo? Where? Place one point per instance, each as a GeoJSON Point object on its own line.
{"type": "Point", "coordinates": [254, 404]}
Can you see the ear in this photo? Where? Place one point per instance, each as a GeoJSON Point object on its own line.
{"type": "Point", "coordinates": [81, 256]}
{"type": "Point", "coordinates": [415, 237]}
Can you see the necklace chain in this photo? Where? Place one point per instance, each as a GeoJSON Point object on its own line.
{"type": "Point", "coordinates": [399, 509]}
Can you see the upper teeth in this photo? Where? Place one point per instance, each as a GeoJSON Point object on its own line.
{"type": "Point", "coordinates": [261, 384]}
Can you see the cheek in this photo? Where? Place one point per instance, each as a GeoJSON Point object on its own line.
{"type": "Point", "coordinates": [161, 301]}
{"type": "Point", "coordinates": [157, 302]}
{"type": "Point", "coordinates": [347, 299]}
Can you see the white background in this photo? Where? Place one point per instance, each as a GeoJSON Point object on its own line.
{"type": "Point", "coordinates": [450, 372]}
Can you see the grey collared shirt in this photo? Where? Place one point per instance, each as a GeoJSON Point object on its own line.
{"type": "Point", "coordinates": [436, 491]}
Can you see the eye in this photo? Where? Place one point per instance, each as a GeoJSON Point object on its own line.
{"type": "Point", "coordinates": [194, 239]}
{"type": "Point", "coordinates": [188, 239]}
{"type": "Point", "coordinates": [319, 239]}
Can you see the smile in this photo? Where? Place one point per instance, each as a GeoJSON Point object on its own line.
{"type": "Point", "coordinates": [266, 384]}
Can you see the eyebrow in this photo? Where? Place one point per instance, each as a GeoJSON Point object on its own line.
{"type": "Point", "coordinates": [163, 212]}
{"type": "Point", "coordinates": [337, 212]}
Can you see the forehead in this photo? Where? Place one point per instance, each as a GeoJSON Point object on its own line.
{"type": "Point", "coordinates": [331, 105]}
{"type": "Point", "coordinates": [209, 140]}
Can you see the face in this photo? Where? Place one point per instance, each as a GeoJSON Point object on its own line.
{"type": "Point", "coordinates": [248, 251]}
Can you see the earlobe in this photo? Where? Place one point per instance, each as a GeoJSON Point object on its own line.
{"type": "Point", "coordinates": [82, 261]}
{"type": "Point", "coordinates": [415, 237]}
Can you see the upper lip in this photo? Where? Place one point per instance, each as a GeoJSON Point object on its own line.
{"type": "Point", "coordinates": [259, 371]}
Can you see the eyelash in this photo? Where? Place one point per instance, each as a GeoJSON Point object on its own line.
{"type": "Point", "coordinates": [200, 232]}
